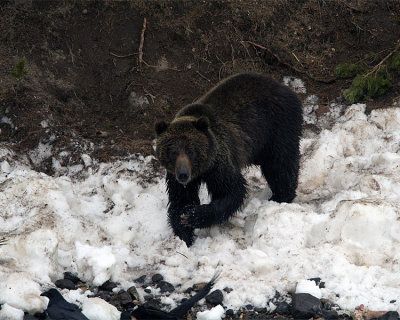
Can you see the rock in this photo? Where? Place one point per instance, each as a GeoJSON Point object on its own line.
{"type": "Point", "coordinates": [391, 315]}
{"type": "Point", "coordinates": [165, 286]}
{"type": "Point", "coordinates": [103, 295]}
{"type": "Point", "coordinates": [283, 308]}
{"type": "Point", "coordinates": [305, 306]}
{"type": "Point", "coordinates": [228, 290]}
{"type": "Point", "coordinates": [133, 293]}
{"type": "Point", "coordinates": [72, 277]}
{"type": "Point", "coordinates": [157, 278]}
{"type": "Point", "coordinates": [249, 307]}
{"type": "Point", "coordinates": [108, 286]}
{"type": "Point", "coordinates": [330, 314]}
{"type": "Point", "coordinates": [229, 313]}
{"type": "Point", "coordinates": [65, 284]}
{"type": "Point", "coordinates": [141, 279]}
{"type": "Point", "coordinates": [125, 299]}
{"type": "Point", "coordinates": [216, 297]}
{"type": "Point", "coordinates": [147, 290]}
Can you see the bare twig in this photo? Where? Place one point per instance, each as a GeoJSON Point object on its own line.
{"type": "Point", "coordinates": [289, 65]}
{"type": "Point", "coordinates": [124, 56]}
{"type": "Point", "coordinates": [182, 254]}
{"type": "Point", "coordinates": [204, 77]}
{"type": "Point", "coordinates": [378, 66]}
{"type": "Point", "coordinates": [141, 43]}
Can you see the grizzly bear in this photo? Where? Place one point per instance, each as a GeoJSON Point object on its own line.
{"type": "Point", "coordinates": [245, 119]}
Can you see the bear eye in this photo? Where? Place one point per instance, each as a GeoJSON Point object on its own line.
{"type": "Point", "coordinates": [172, 154]}
{"type": "Point", "coordinates": [190, 154]}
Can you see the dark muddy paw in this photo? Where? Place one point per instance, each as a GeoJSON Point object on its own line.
{"type": "Point", "coordinates": [188, 216]}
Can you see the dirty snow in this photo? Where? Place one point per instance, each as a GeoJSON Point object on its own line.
{"type": "Point", "coordinates": [109, 222]}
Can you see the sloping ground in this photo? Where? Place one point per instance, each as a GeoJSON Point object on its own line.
{"type": "Point", "coordinates": [86, 92]}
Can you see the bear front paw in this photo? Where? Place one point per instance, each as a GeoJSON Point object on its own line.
{"type": "Point", "coordinates": [188, 216]}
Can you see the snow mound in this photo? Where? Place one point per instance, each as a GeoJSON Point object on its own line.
{"type": "Point", "coordinates": [111, 223]}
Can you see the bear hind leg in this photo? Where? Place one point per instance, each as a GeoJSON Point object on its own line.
{"type": "Point", "coordinates": [281, 170]}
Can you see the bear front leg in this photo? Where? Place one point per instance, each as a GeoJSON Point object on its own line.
{"type": "Point", "coordinates": [179, 197]}
{"type": "Point", "coordinates": [228, 192]}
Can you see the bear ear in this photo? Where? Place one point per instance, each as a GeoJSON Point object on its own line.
{"type": "Point", "coordinates": [160, 127]}
{"type": "Point", "coordinates": [202, 123]}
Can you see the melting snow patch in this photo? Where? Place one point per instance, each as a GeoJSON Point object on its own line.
{"type": "Point", "coordinates": [111, 224]}
{"type": "Point", "coordinates": [98, 309]}
{"type": "Point", "coordinates": [215, 313]}
{"type": "Point", "coordinates": [296, 84]}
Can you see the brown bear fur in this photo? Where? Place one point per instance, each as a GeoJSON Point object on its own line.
{"type": "Point", "coordinates": [246, 119]}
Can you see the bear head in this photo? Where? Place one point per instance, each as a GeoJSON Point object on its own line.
{"type": "Point", "coordinates": [184, 147]}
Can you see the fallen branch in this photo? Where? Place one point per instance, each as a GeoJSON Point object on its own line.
{"type": "Point", "coordinates": [378, 66]}
{"type": "Point", "coordinates": [141, 43]}
{"type": "Point", "coordinates": [289, 65]}
{"type": "Point", "coordinates": [125, 56]}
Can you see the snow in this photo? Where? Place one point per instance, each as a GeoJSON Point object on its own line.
{"type": "Point", "coordinates": [108, 221]}
{"type": "Point", "coordinates": [98, 309]}
{"type": "Point", "coordinates": [215, 313]}
{"type": "Point", "coordinates": [9, 313]}
{"type": "Point", "coordinates": [310, 287]}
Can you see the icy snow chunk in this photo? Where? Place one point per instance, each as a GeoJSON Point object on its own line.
{"type": "Point", "coordinates": [215, 313]}
{"type": "Point", "coordinates": [7, 312]}
{"type": "Point", "coordinates": [21, 292]}
{"type": "Point", "coordinates": [308, 286]}
{"type": "Point", "coordinates": [98, 309]}
{"type": "Point", "coordinates": [98, 259]}
{"type": "Point", "coordinates": [296, 84]}
{"type": "Point", "coordinates": [87, 160]}
{"type": "Point", "coordinates": [5, 167]}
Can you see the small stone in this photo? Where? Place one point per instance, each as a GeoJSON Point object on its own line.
{"type": "Point", "coordinates": [228, 290]}
{"type": "Point", "coordinates": [147, 290]}
{"type": "Point", "coordinates": [133, 293]}
{"type": "Point", "coordinates": [229, 313]}
{"type": "Point", "coordinates": [316, 280]}
{"type": "Point", "coordinates": [393, 301]}
{"type": "Point", "coordinates": [125, 298]}
{"type": "Point", "coordinates": [391, 315]}
{"type": "Point", "coordinates": [65, 284]}
{"type": "Point", "coordinates": [165, 286]}
{"type": "Point", "coordinates": [330, 314]}
{"type": "Point", "coordinates": [305, 305]}
{"type": "Point", "coordinates": [72, 277]}
{"type": "Point", "coordinates": [141, 279]}
{"type": "Point", "coordinates": [108, 286]}
{"type": "Point", "coordinates": [283, 308]}
{"type": "Point", "coordinates": [84, 11]}
{"type": "Point", "coordinates": [216, 297]}
{"type": "Point", "coordinates": [103, 295]}
{"type": "Point", "coordinates": [189, 290]}
{"type": "Point", "coordinates": [157, 278]}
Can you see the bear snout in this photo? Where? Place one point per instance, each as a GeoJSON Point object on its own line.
{"type": "Point", "coordinates": [183, 170]}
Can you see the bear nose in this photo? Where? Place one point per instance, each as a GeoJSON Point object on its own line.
{"type": "Point", "coordinates": [183, 175]}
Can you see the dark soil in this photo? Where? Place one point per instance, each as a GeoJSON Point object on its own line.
{"type": "Point", "coordinates": [83, 70]}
